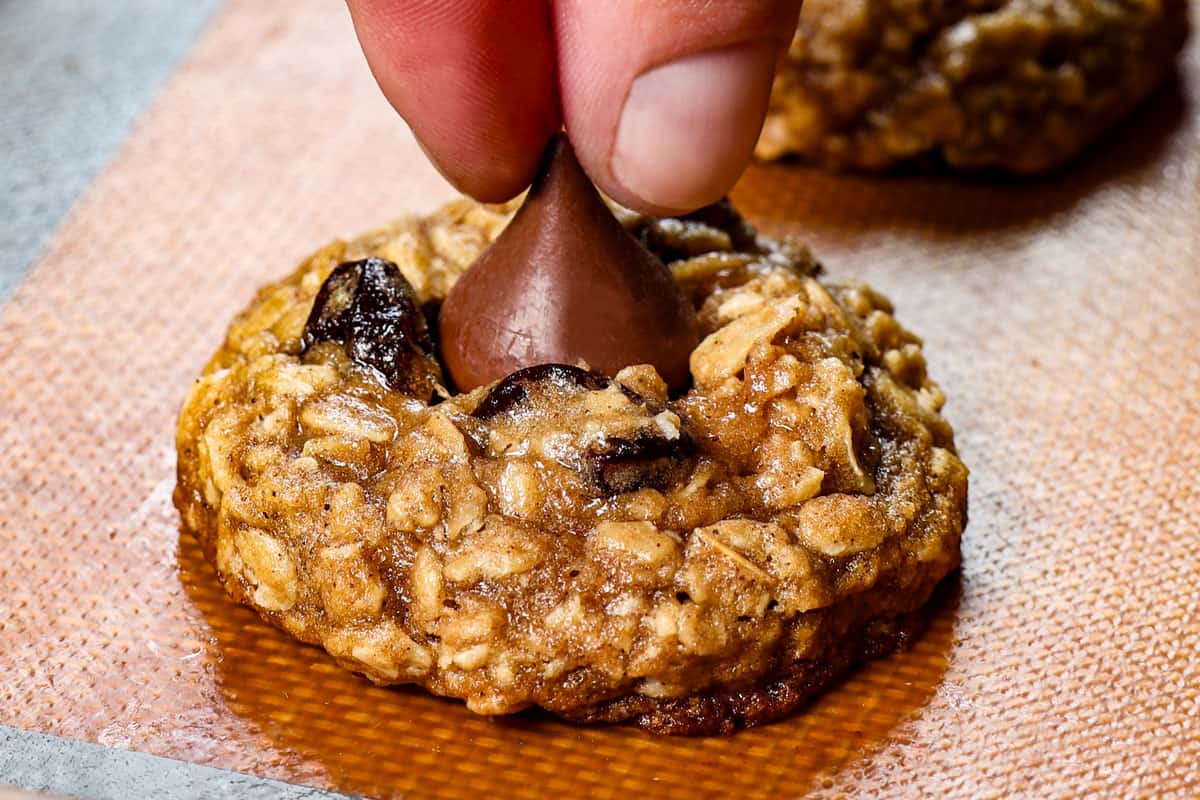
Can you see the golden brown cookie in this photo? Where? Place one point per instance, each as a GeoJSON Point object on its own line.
{"type": "Point", "coordinates": [560, 538]}
{"type": "Point", "coordinates": [1017, 85]}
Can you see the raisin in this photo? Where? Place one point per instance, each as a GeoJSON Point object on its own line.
{"type": "Point", "coordinates": [371, 310]}
{"type": "Point", "coordinates": [723, 216]}
{"type": "Point", "coordinates": [615, 465]}
{"type": "Point", "coordinates": [652, 239]}
{"type": "Point", "coordinates": [647, 461]}
{"type": "Point", "coordinates": [513, 390]}
{"type": "Point", "coordinates": [683, 237]}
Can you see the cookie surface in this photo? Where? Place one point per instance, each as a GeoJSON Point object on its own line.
{"type": "Point", "coordinates": [1016, 85]}
{"type": "Point", "coordinates": [562, 539]}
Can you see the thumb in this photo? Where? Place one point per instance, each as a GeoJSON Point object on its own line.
{"type": "Point", "coordinates": [664, 100]}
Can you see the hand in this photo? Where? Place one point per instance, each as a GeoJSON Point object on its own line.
{"type": "Point", "coordinates": [663, 99]}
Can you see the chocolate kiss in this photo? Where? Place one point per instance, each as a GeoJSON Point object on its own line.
{"type": "Point", "coordinates": [565, 282]}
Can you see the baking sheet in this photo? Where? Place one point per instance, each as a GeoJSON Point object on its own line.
{"type": "Point", "coordinates": [1059, 315]}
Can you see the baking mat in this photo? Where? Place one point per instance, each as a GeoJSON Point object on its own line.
{"type": "Point", "coordinates": [1060, 317]}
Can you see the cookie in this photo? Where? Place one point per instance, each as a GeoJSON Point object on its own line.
{"type": "Point", "coordinates": [1014, 85]}
{"type": "Point", "coordinates": [595, 545]}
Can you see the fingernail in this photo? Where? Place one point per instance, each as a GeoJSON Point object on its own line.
{"type": "Point", "coordinates": [689, 126]}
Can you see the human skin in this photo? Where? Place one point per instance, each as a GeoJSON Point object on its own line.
{"type": "Point", "coordinates": [662, 99]}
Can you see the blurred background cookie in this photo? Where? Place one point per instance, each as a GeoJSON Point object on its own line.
{"type": "Point", "coordinates": [1021, 86]}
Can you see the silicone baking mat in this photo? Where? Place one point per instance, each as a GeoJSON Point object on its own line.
{"type": "Point", "coordinates": [1060, 316]}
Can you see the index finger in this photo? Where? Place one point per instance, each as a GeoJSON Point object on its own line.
{"type": "Point", "coordinates": [474, 79]}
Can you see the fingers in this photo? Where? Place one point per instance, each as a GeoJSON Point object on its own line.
{"type": "Point", "coordinates": [664, 99]}
{"type": "Point", "coordinates": [474, 79]}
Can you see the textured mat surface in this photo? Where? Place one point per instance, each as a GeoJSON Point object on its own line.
{"type": "Point", "coordinates": [74, 74]}
{"type": "Point", "coordinates": [1059, 315]}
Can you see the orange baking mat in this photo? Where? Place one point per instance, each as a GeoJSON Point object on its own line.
{"type": "Point", "coordinates": [1061, 316]}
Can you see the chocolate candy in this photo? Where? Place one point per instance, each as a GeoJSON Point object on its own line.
{"type": "Point", "coordinates": [565, 283]}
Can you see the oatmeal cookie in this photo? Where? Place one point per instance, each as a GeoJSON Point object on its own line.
{"type": "Point", "coordinates": [1017, 85]}
{"type": "Point", "coordinates": [592, 545]}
